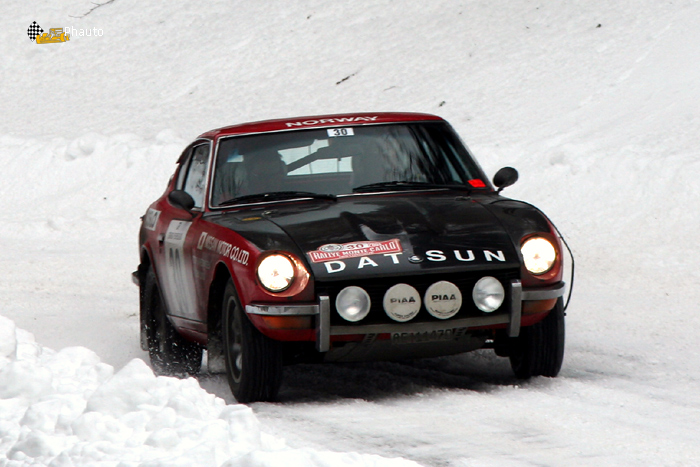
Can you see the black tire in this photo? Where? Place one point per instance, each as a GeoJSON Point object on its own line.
{"type": "Point", "coordinates": [170, 353]}
{"type": "Point", "coordinates": [539, 349]}
{"type": "Point", "coordinates": [253, 361]}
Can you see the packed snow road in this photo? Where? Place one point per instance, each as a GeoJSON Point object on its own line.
{"type": "Point", "coordinates": [620, 400]}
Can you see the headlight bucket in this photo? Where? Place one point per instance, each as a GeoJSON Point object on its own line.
{"type": "Point", "coordinates": [539, 255]}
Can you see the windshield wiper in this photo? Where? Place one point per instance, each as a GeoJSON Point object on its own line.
{"type": "Point", "coordinates": [405, 185]}
{"type": "Point", "coordinates": [276, 196]}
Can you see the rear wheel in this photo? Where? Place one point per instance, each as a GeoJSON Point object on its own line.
{"type": "Point", "coordinates": [169, 352]}
{"type": "Point", "coordinates": [539, 349]}
{"type": "Point", "coordinates": [253, 361]}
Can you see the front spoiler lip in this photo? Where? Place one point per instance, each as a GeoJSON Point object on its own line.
{"type": "Point", "coordinates": [324, 330]}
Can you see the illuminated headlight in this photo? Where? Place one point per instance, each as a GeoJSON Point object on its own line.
{"type": "Point", "coordinates": [488, 294]}
{"type": "Point", "coordinates": [539, 255]}
{"type": "Point", "coordinates": [276, 273]}
{"type": "Point", "coordinates": [353, 303]}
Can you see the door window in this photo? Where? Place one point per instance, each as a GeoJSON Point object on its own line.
{"type": "Point", "coordinates": [196, 179]}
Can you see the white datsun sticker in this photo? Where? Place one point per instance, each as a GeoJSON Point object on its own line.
{"type": "Point", "coordinates": [335, 132]}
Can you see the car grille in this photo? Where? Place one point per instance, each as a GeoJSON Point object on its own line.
{"type": "Point", "coordinates": [377, 287]}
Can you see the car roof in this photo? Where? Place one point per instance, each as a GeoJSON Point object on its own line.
{"type": "Point", "coordinates": [319, 121]}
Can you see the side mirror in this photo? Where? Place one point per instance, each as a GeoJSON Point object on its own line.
{"type": "Point", "coordinates": [505, 177]}
{"type": "Point", "coordinates": [181, 199]}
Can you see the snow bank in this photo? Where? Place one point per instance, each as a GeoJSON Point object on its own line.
{"type": "Point", "coordinates": [115, 177]}
{"type": "Point", "coordinates": [69, 408]}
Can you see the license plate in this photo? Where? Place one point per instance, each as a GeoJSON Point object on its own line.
{"type": "Point", "coordinates": [438, 335]}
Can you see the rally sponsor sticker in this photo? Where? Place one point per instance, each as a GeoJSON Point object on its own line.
{"type": "Point", "coordinates": [210, 243]}
{"type": "Point", "coordinates": [336, 132]}
{"type": "Point", "coordinates": [340, 251]}
{"type": "Point", "coordinates": [151, 219]}
{"type": "Point", "coordinates": [332, 120]}
{"type": "Point", "coordinates": [402, 302]}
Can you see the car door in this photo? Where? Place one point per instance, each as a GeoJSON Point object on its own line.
{"type": "Point", "coordinates": [181, 293]}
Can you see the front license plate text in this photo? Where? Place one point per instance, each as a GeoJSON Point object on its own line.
{"type": "Point", "coordinates": [439, 335]}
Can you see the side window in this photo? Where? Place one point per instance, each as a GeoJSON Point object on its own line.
{"type": "Point", "coordinates": [181, 173]}
{"type": "Point", "coordinates": [196, 176]}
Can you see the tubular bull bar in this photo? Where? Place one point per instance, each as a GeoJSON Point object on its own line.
{"type": "Point", "coordinates": [324, 330]}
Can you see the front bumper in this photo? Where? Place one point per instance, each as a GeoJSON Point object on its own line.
{"type": "Point", "coordinates": [324, 329]}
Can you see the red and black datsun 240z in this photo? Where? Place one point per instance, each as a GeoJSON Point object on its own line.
{"type": "Point", "coordinates": [343, 238]}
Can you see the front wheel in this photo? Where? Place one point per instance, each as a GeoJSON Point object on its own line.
{"type": "Point", "coordinates": [539, 349]}
{"type": "Point", "coordinates": [169, 352]}
{"type": "Point", "coordinates": [253, 361]}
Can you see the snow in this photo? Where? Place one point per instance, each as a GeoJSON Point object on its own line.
{"type": "Point", "coordinates": [594, 102]}
{"type": "Point", "coordinates": [70, 408]}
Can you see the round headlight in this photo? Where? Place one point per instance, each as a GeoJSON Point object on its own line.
{"type": "Point", "coordinates": [488, 294]}
{"type": "Point", "coordinates": [539, 255]}
{"type": "Point", "coordinates": [276, 273]}
{"type": "Point", "coordinates": [353, 303]}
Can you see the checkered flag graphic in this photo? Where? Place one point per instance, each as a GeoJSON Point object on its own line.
{"type": "Point", "coordinates": [34, 30]}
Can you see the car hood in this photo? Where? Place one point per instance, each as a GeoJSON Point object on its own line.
{"type": "Point", "coordinates": [385, 235]}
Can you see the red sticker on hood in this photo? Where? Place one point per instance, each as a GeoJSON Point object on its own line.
{"type": "Point", "coordinates": [337, 251]}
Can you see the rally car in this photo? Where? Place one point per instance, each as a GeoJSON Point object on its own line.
{"type": "Point", "coordinates": [341, 238]}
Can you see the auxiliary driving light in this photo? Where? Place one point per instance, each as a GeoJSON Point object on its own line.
{"type": "Point", "coordinates": [488, 294]}
{"type": "Point", "coordinates": [353, 303]}
{"type": "Point", "coordinates": [402, 302]}
{"type": "Point", "coordinates": [276, 273]}
{"type": "Point", "coordinates": [443, 299]}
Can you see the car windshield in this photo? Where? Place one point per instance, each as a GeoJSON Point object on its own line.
{"type": "Point", "coordinates": [342, 160]}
